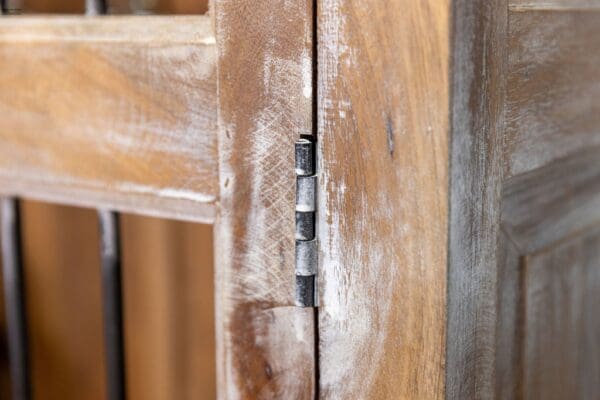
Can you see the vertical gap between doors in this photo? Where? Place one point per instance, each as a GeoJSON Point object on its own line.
{"type": "Point", "coordinates": [315, 129]}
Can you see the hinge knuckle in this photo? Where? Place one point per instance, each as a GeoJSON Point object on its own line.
{"type": "Point", "coordinates": [306, 193]}
{"type": "Point", "coordinates": [305, 291]}
{"type": "Point", "coordinates": [306, 257]}
{"type": "Point", "coordinates": [305, 158]}
{"type": "Point", "coordinates": [305, 225]}
{"type": "Point", "coordinates": [306, 208]}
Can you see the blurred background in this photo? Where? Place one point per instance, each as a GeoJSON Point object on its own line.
{"type": "Point", "coordinates": [167, 286]}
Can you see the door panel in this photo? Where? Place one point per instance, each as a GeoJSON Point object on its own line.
{"type": "Point", "coordinates": [548, 262]}
{"type": "Point", "coordinates": [552, 107]}
{"type": "Point", "coordinates": [548, 274]}
{"type": "Point", "coordinates": [562, 328]}
{"type": "Point", "coordinates": [524, 279]}
{"type": "Point", "coordinates": [548, 265]}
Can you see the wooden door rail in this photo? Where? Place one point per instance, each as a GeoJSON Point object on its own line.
{"type": "Point", "coordinates": [110, 111]}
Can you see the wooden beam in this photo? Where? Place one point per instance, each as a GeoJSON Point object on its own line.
{"type": "Point", "coordinates": [265, 345]}
{"type": "Point", "coordinates": [479, 53]}
{"type": "Point", "coordinates": [553, 5]}
{"type": "Point", "coordinates": [116, 112]}
{"type": "Point", "coordinates": [383, 118]}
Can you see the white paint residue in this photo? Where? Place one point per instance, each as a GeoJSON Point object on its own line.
{"type": "Point", "coordinates": [151, 30]}
{"type": "Point", "coordinates": [124, 187]}
{"type": "Point", "coordinates": [207, 40]}
{"type": "Point", "coordinates": [348, 315]}
{"type": "Point", "coordinates": [307, 75]}
{"type": "Point", "coordinates": [166, 192]}
{"type": "Point", "coordinates": [334, 51]}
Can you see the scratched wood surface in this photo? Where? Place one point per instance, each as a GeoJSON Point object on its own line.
{"type": "Point", "coordinates": [547, 122]}
{"type": "Point", "coordinates": [265, 345]}
{"type": "Point", "coordinates": [383, 130]}
{"type": "Point", "coordinates": [169, 313]}
{"type": "Point", "coordinates": [93, 128]}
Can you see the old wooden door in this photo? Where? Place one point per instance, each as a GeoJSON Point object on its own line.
{"type": "Point", "coordinates": [458, 215]}
{"type": "Point", "coordinates": [474, 123]}
{"type": "Point", "coordinates": [524, 282]}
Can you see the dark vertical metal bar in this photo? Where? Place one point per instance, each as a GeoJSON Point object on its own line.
{"type": "Point", "coordinates": [112, 303]}
{"type": "Point", "coordinates": [14, 299]}
{"type": "Point", "coordinates": [10, 7]}
{"type": "Point", "coordinates": [95, 7]}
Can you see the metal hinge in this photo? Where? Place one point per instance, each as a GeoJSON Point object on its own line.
{"type": "Point", "coordinates": [306, 209]}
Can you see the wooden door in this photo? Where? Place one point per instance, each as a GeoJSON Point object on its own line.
{"type": "Point", "coordinates": [458, 216]}
{"type": "Point", "coordinates": [524, 283]}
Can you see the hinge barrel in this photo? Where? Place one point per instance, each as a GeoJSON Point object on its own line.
{"type": "Point", "coordinates": [306, 208]}
{"type": "Point", "coordinates": [305, 158]}
{"type": "Point", "coordinates": [305, 225]}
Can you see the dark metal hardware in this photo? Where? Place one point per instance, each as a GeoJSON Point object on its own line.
{"type": "Point", "coordinates": [306, 208]}
{"type": "Point", "coordinates": [112, 303]}
{"type": "Point", "coordinates": [15, 300]}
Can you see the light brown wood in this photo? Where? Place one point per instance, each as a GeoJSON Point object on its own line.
{"type": "Point", "coordinates": [168, 280]}
{"type": "Point", "coordinates": [85, 124]}
{"type": "Point", "coordinates": [265, 345]}
{"type": "Point", "coordinates": [169, 307]}
{"type": "Point", "coordinates": [54, 6]}
{"type": "Point", "coordinates": [63, 302]}
{"type": "Point", "coordinates": [553, 90]}
{"type": "Point", "coordinates": [383, 177]}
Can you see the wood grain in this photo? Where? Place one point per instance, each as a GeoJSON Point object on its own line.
{"type": "Point", "coordinates": [510, 327]}
{"type": "Point", "coordinates": [550, 217]}
{"type": "Point", "coordinates": [84, 124]}
{"type": "Point", "coordinates": [555, 5]}
{"type": "Point", "coordinates": [383, 129]}
{"type": "Point", "coordinates": [169, 312]}
{"type": "Point", "coordinates": [169, 308]}
{"type": "Point", "coordinates": [265, 345]}
{"type": "Point", "coordinates": [53, 6]}
{"type": "Point", "coordinates": [547, 322]}
{"type": "Point", "coordinates": [478, 96]}
{"type": "Point", "coordinates": [553, 95]}
{"type": "Point", "coordinates": [551, 203]}
{"type": "Point", "coordinates": [562, 294]}
{"type": "Point", "coordinates": [63, 302]}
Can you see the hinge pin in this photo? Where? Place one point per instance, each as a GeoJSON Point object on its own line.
{"type": "Point", "coordinates": [306, 207]}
